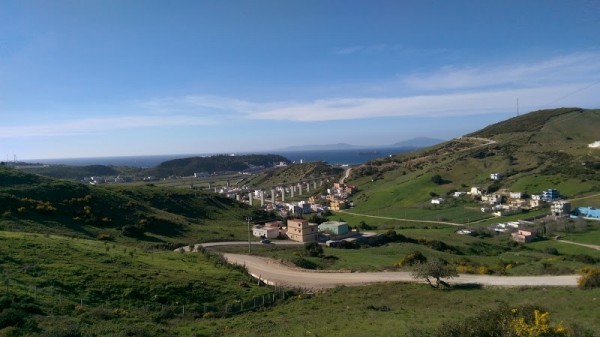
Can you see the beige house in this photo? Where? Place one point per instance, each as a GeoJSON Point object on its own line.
{"type": "Point", "coordinates": [302, 231]}
{"type": "Point", "coordinates": [336, 205]}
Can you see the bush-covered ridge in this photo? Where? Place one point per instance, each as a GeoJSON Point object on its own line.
{"type": "Point", "coordinates": [219, 163]}
{"type": "Point", "coordinates": [530, 122]}
{"type": "Point", "coordinates": [167, 216]}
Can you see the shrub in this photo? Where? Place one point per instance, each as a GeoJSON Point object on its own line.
{"type": "Point", "coordinates": [590, 278]}
{"type": "Point", "coordinates": [412, 259]}
{"type": "Point", "coordinates": [551, 251]}
{"type": "Point", "coordinates": [303, 263]}
{"type": "Point", "coordinates": [313, 249]}
{"type": "Point", "coordinates": [526, 321]}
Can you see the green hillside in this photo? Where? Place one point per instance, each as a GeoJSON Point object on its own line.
{"type": "Point", "coordinates": [160, 215]}
{"type": "Point", "coordinates": [533, 152]}
{"type": "Point", "coordinates": [292, 173]}
{"type": "Point", "coordinates": [220, 163]}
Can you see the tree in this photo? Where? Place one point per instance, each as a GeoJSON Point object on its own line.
{"type": "Point", "coordinates": [437, 179]}
{"type": "Point", "coordinates": [434, 268]}
{"type": "Point", "coordinates": [313, 249]}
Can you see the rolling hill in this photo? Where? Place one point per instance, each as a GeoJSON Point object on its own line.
{"type": "Point", "coordinates": [148, 213]}
{"type": "Point", "coordinates": [532, 152]}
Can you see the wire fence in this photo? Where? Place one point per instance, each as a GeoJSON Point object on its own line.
{"type": "Point", "coordinates": [57, 300]}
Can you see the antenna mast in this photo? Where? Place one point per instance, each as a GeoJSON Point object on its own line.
{"type": "Point", "coordinates": [517, 106]}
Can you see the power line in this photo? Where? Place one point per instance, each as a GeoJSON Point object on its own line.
{"type": "Point", "coordinates": [569, 94]}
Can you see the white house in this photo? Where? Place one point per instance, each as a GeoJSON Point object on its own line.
{"type": "Point", "coordinates": [476, 191]}
{"type": "Point", "coordinates": [495, 176]}
{"type": "Point", "coordinates": [437, 201]}
{"type": "Point", "coordinates": [267, 232]}
{"type": "Point", "coordinates": [515, 195]}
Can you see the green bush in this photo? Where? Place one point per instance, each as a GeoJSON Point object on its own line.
{"type": "Point", "coordinates": [313, 249]}
{"type": "Point", "coordinates": [412, 259]}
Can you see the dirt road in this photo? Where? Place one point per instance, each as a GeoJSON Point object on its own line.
{"type": "Point", "coordinates": [273, 272]}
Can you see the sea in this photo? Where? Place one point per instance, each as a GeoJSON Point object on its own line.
{"type": "Point", "coordinates": [333, 157]}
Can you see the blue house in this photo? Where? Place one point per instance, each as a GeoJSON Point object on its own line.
{"type": "Point", "coordinates": [588, 212]}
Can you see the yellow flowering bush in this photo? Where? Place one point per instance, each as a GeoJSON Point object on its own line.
{"type": "Point", "coordinates": [539, 327]}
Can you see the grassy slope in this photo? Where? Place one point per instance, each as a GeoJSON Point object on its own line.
{"type": "Point", "coordinates": [290, 174]}
{"type": "Point", "coordinates": [550, 154]}
{"type": "Point", "coordinates": [346, 311]}
{"type": "Point", "coordinates": [157, 215]}
{"type": "Point", "coordinates": [122, 288]}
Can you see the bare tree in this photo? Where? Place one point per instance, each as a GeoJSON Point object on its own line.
{"type": "Point", "coordinates": [434, 268]}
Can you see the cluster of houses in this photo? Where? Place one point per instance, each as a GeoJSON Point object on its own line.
{"type": "Point", "coordinates": [97, 180]}
{"type": "Point", "coordinates": [300, 230]}
{"type": "Point", "coordinates": [506, 202]}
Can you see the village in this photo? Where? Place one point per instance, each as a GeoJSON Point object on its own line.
{"type": "Point", "coordinates": [338, 197]}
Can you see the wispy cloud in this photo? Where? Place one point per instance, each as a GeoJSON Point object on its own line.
{"type": "Point", "coordinates": [458, 104]}
{"type": "Point", "coordinates": [562, 69]}
{"type": "Point", "coordinates": [568, 80]}
{"type": "Point", "coordinates": [375, 48]}
{"type": "Point", "coordinates": [99, 125]}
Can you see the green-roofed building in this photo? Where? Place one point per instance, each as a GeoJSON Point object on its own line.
{"type": "Point", "coordinates": [334, 227]}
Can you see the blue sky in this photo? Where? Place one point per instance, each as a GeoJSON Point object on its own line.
{"type": "Point", "coordinates": [110, 78]}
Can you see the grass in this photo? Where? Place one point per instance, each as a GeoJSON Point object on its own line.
{"type": "Point", "coordinates": [349, 311]}
{"type": "Point", "coordinates": [98, 288]}
{"type": "Point", "coordinates": [591, 237]}
{"type": "Point", "coordinates": [494, 253]}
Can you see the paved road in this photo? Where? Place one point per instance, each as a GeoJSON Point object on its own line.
{"type": "Point", "coordinates": [273, 272]}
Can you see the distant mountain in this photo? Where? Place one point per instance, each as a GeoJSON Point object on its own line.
{"type": "Point", "coordinates": [418, 142]}
{"type": "Point", "coordinates": [326, 147]}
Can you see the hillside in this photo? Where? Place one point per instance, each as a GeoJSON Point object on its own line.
{"type": "Point", "coordinates": [292, 173]}
{"type": "Point", "coordinates": [532, 152]}
{"type": "Point", "coordinates": [162, 216]}
{"type": "Point", "coordinates": [220, 163]}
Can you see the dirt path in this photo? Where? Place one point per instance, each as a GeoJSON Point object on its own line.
{"type": "Point", "coordinates": [596, 247]}
{"type": "Point", "coordinates": [401, 219]}
{"type": "Point", "coordinates": [346, 175]}
{"type": "Point", "coordinates": [273, 272]}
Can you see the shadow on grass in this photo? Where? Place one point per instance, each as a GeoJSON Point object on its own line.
{"type": "Point", "coordinates": [466, 286]}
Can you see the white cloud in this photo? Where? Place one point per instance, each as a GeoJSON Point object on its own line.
{"type": "Point", "coordinates": [569, 80]}
{"type": "Point", "coordinates": [99, 125]}
{"type": "Point", "coordinates": [458, 104]}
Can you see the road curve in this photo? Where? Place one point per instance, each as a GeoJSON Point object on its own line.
{"type": "Point", "coordinates": [274, 272]}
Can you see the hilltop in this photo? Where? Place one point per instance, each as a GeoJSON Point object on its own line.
{"type": "Point", "coordinates": [532, 152]}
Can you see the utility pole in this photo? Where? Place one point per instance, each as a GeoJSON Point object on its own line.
{"type": "Point", "coordinates": [248, 219]}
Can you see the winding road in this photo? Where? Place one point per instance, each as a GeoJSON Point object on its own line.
{"type": "Point", "coordinates": [274, 272]}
